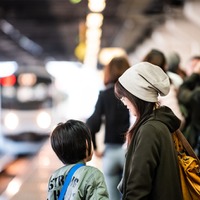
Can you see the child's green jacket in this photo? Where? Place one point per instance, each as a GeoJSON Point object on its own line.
{"type": "Point", "coordinates": [87, 183]}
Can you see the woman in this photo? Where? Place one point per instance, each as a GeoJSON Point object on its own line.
{"type": "Point", "coordinates": [112, 113]}
{"type": "Point", "coordinates": [151, 169]}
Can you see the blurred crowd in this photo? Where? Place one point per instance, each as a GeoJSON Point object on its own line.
{"type": "Point", "coordinates": [184, 95]}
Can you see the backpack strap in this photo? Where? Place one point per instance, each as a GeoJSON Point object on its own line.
{"type": "Point", "coordinates": [186, 145]}
{"type": "Point", "coordinates": [68, 179]}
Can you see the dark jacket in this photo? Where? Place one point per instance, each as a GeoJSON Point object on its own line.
{"type": "Point", "coordinates": [189, 98]}
{"type": "Point", "coordinates": [151, 169]}
{"type": "Point", "coordinates": [115, 114]}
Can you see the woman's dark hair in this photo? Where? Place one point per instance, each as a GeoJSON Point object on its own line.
{"type": "Point", "coordinates": [71, 140]}
{"type": "Point", "coordinates": [143, 108]}
{"type": "Point", "coordinates": [156, 57]}
{"type": "Point", "coordinates": [115, 68]}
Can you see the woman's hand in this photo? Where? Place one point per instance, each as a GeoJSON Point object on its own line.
{"type": "Point", "coordinates": [98, 154]}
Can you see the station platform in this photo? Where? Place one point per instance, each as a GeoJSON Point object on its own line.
{"type": "Point", "coordinates": [32, 183]}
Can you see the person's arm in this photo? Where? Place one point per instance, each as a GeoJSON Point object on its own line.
{"type": "Point", "coordinates": [95, 120]}
{"type": "Point", "coordinates": [96, 188]}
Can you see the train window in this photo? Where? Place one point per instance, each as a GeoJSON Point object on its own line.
{"type": "Point", "coordinates": [28, 92]}
{"type": "Point", "coordinates": [8, 92]}
{"type": "Point", "coordinates": [25, 94]}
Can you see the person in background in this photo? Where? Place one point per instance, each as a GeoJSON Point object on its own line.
{"type": "Point", "coordinates": [173, 67]}
{"type": "Point", "coordinates": [189, 99]}
{"type": "Point", "coordinates": [193, 61]}
{"type": "Point", "coordinates": [155, 57]}
{"type": "Point", "coordinates": [116, 119]}
{"type": "Point", "coordinates": [151, 169]}
{"type": "Point", "coordinates": [72, 143]}
{"type": "Point", "coordinates": [158, 58]}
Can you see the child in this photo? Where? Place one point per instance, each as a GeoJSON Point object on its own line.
{"type": "Point", "coordinates": [71, 141]}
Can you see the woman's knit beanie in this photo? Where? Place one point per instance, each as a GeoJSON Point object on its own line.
{"type": "Point", "coordinates": [145, 81]}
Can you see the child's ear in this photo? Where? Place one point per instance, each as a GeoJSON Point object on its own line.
{"type": "Point", "coordinates": [88, 157]}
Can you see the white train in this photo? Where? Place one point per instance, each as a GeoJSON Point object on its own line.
{"type": "Point", "coordinates": [26, 110]}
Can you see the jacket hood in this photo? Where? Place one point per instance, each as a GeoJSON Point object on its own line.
{"type": "Point", "coordinates": [166, 116]}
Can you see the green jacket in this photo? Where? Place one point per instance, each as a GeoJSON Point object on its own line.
{"type": "Point", "coordinates": [151, 170]}
{"type": "Point", "coordinates": [87, 183]}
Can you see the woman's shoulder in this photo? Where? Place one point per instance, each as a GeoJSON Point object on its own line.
{"type": "Point", "coordinates": [153, 126]}
{"type": "Point", "coordinates": [150, 125]}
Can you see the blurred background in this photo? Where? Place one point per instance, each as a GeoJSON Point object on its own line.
{"type": "Point", "coordinates": [52, 53]}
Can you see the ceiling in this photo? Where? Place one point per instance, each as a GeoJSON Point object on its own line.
{"type": "Point", "coordinates": [34, 31]}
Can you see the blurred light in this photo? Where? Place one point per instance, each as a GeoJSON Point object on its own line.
{"type": "Point", "coordinates": [6, 27]}
{"type": "Point", "coordinates": [93, 38]}
{"type": "Point", "coordinates": [25, 94]}
{"type": "Point", "coordinates": [96, 6]}
{"type": "Point", "coordinates": [41, 91]}
{"type": "Point", "coordinates": [11, 121]}
{"type": "Point", "coordinates": [9, 92]}
{"type": "Point", "coordinates": [80, 51]}
{"type": "Point", "coordinates": [93, 34]}
{"type": "Point", "coordinates": [7, 68]}
{"type": "Point", "coordinates": [13, 187]}
{"type": "Point", "coordinates": [94, 20]}
{"type": "Point", "coordinates": [29, 45]}
{"type": "Point", "coordinates": [106, 54]}
{"type": "Point", "coordinates": [75, 1]}
{"type": "Point", "coordinates": [43, 120]}
{"type": "Point", "coordinates": [62, 68]}
{"type": "Point", "coordinates": [8, 81]}
{"type": "Point", "coordinates": [86, 83]}
{"type": "Point", "coordinates": [27, 79]}
{"type": "Point", "coordinates": [45, 160]}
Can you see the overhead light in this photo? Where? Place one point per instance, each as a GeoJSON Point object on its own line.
{"type": "Point", "coordinates": [94, 20]}
{"type": "Point", "coordinates": [106, 54]}
{"type": "Point", "coordinates": [62, 68]}
{"type": "Point", "coordinates": [93, 34]}
{"type": "Point", "coordinates": [75, 1]}
{"type": "Point", "coordinates": [96, 6]}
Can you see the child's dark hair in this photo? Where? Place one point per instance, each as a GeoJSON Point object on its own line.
{"type": "Point", "coordinates": [71, 140]}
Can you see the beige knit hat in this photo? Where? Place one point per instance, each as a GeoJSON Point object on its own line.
{"type": "Point", "coordinates": [145, 81]}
